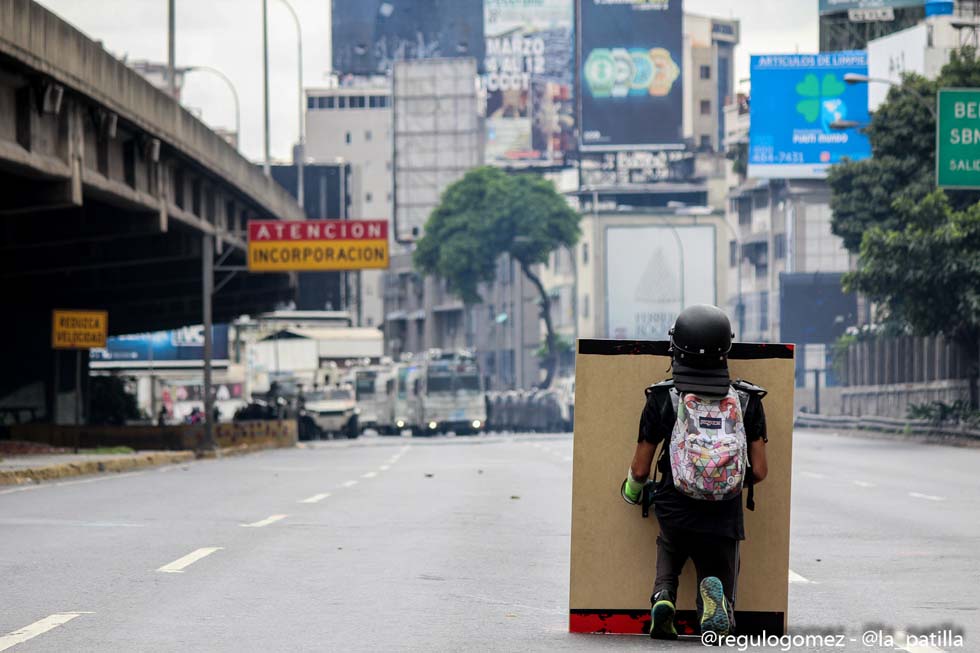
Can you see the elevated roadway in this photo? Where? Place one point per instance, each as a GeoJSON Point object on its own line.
{"type": "Point", "coordinates": [110, 192]}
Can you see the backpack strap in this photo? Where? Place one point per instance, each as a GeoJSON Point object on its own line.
{"type": "Point", "coordinates": [669, 398]}
{"type": "Point", "coordinates": [745, 392]}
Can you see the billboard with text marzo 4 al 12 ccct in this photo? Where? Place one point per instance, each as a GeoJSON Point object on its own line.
{"type": "Point", "coordinates": [804, 116]}
{"type": "Point", "coordinates": [630, 55]}
{"type": "Point", "coordinates": [317, 245]}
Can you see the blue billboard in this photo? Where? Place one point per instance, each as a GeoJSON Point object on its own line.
{"type": "Point", "coordinates": [796, 98]}
{"type": "Point", "coordinates": [630, 54]}
{"type": "Point", "coordinates": [184, 344]}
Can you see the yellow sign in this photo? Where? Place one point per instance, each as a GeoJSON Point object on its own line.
{"type": "Point", "coordinates": [317, 245]}
{"type": "Point", "coordinates": [79, 329]}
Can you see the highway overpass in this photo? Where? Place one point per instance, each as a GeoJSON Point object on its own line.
{"type": "Point", "coordinates": [109, 192]}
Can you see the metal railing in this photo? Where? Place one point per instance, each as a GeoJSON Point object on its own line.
{"type": "Point", "coordinates": [885, 425]}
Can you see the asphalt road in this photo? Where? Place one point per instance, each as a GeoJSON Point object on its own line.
{"type": "Point", "coordinates": [443, 545]}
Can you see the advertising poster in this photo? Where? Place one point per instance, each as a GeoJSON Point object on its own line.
{"type": "Point", "coordinates": [652, 272]}
{"type": "Point", "coordinates": [184, 344]}
{"type": "Point", "coordinates": [368, 36]}
{"type": "Point", "coordinates": [529, 59]}
{"type": "Point", "coordinates": [630, 67]}
{"type": "Point", "coordinates": [797, 100]}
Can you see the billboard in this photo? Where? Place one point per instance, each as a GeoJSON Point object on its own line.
{"type": "Point", "coordinates": [795, 100]}
{"type": "Point", "coordinates": [368, 36]}
{"type": "Point", "coordinates": [813, 307]}
{"type": "Point", "coordinates": [835, 6]}
{"type": "Point", "coordinates": [529, 63]}
{"type": "Point", "coordinates": [630, 55]}
{"type": "Point", "coordinates": [656, 271]}
{"type": "Point", "coordinates": [317, 245]}
{"type": "Point", "coordinates": [184, 344]}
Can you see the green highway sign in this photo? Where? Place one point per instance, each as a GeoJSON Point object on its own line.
{"type": "Point", "coordinates": [958, 138]}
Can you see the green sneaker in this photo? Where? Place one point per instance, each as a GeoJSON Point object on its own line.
{"type": "Point", "coordinates": [715, 614]}
{"type": "Point", "coordinates": [662, 617]}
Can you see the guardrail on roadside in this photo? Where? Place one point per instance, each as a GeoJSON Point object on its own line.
{"type": "Point", "coordinates": [884, 424]}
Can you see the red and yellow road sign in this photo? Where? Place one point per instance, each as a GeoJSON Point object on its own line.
{"type": "Point", "coordinates": [317, 245]}
{"type": "Point", "coordinates": [79, 329]}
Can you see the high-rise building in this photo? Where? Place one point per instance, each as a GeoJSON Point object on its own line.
{"type": "Point", "coordinates": [351, 124]}
{"type": "Point", "coordinates": [850, 24]}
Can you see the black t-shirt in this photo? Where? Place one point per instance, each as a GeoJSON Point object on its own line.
{"type": "Point", "coordinates": [680, 511]}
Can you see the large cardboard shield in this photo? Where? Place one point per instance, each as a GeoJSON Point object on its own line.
{"type": "Point", "coordinates": [614, 551]}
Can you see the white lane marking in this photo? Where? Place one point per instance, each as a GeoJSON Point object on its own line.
{"type": "Point", "coordinates": [863, 484]}
{"type": "Point", "coordinates": [178, 565]}
{"type": "Point", "coordinates": [385, 468]}
{"type": "Point", "coordinates": [37, 628]}
{"type": "Point", "coordinates": [369, 475]}
{"type": "Point", "coordinates": [814, 475]}
{"type": "Point", "coordinates": [97, 479]}
{"type": "Point", "coordinates": [927, 497]}
{"type": "Point", "coordinates": [796, 578]}
{"type": "Point", "coordinates": [902, 643]}
{"type": "Point", "coordinates": [349, 483]}
{"type": "Point", "coordinates": [316, 498]}
{"type": "Point", "coordinates": [265, 522]}
{"type": "Point", "coordinates": [24, 488]}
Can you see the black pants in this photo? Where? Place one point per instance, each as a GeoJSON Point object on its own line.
{"type": "Point", "coordinates": [712, 556]}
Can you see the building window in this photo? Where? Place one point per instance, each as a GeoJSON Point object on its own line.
{"type": "Point", "coordinates": [329, 102]}
{"type": "Point", "coordinates": [373, 101]}
{"type": "Point", "coordinates": [760, 200]}
{"type": "Point", "coordinates": [705, 141]}
{"type": "Point", "coordinates": [367, 135]}
{"type": "Point", "coordinates": [745, 210]}
{"type": "Point", "coordinates": [367, 198]}
{"type": "Point", "coordinates": [585, 253]}
{"type": "Point", "coordinates": [341, 101]}
{"type": "Point", "coordinates": [705, 107]}
{"type": "Point", "coordinates": [705, 72]}
{"type": "Point", "coordinates": [347, 138]}
{"type": "Point", "coordinates": [732, 253]}
{"type": "Point", "coordinates": [780, 245]}
{"type": "Point", "coordinates": [311, 102]}
{"type": "Point", "coordinates": [385, 101]}
{"type": "Point", "coordinates": [356, 102]}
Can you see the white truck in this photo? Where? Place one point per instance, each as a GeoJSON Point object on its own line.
{"type": "Point", "coordinates": [450, 395]}
{"type": "Point", "coordinates": [333, 410]}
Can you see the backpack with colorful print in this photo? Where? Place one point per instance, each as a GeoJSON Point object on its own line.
{"type": "Point", "coordinates": [708, 449]}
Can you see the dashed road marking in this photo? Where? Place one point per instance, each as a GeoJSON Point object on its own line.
{"type": "Point", "coordinates": [37, 628]}
{"type": "Point", "coordinates": [178, 565]}
{"type": "Point", "coordinates": [349, 483]}
{"type": "Point", "coordinates": [863, 484]}
{"type": "Point", "coordinates": [316, 498]}
{"type": "Point", "coordinates": [796, 578]}
{"type": "Point", "coordinates": [369, 475]}
{"type": "Point", "coordinates": [814, 475]}
{"type": "Point", "coordinates": [21, 489]}
{"type": "Point", "coordinates": [265, 522]}
{"type": "Point", "coordinates": [927, 497]}
{"type": "Point", "coordinates": [385, 468]}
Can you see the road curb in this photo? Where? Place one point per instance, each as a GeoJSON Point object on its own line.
{"type": "Point", "coordinates": [243, 449]}
{"type": "Point", "coordinates": [948, 440]}
{"type": "Point", "coordinates": [96, 466]}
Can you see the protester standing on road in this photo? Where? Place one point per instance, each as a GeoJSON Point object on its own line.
{"type": "Point", "coordinates": [713, 435]}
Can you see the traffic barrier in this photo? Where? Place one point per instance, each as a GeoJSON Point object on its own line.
{"type": "Point", "coordinates": [885, 424]}
{"type": "Point", "coordinates": [613, 549]}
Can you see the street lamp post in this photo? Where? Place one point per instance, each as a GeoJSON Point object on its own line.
{"type": "Point", "coordinates": [855, 78]}
{"type": "Point", "coordinates": [267, 162]}
{"type": "Point", "coordinates": [301, 148]}
{"type": "Point", "coordinates": [234, 93]}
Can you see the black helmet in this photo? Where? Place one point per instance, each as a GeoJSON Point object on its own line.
{"type": "Point", "coordinates": [701, 334]}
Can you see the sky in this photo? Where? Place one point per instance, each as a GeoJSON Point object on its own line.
{"type": "Point", "coordinates": [227, 35]}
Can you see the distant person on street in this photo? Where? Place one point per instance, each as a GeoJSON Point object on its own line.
{"type": "Point", "coordinates": [712, 433]}
{"type": "Point", "coordinates": [162, 416]}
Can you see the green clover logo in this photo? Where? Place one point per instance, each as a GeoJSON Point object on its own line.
{"type": "Point", "coordinates": [815, 91]}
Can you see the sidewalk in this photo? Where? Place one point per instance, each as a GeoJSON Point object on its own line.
{"type": "Point", "coordinates": [34, 468]}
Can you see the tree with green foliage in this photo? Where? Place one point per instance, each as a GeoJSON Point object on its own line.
{"type": "Point", "coordinates": [919, 248]}
{"type": "Point", "coordinates": [490, 213]}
